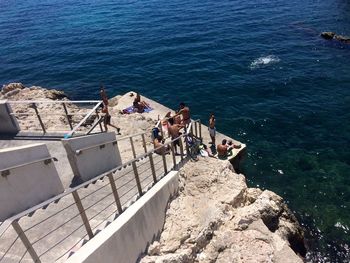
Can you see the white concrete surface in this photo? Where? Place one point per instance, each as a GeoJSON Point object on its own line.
{"type": "Point", "coordinates": [95, 160]}
{"type": "Point", "coordinates": [125, 239]}
{"type": "Point", "coordinates": [8, 124]}
{"type": "Point", "coordinates": [27, 185]}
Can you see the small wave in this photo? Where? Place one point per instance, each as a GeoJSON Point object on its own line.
{"type": "Point", "coordinates": [262, 61]}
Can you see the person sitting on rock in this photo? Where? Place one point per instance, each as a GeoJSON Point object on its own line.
{"type": "Point", "coordinates": [159, 146]}
{"type": "Point", "coordinates": [139, 105]}
{"type": "Point", "coordinates": [223, 149]}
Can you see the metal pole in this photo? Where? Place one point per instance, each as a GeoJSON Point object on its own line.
{"type": "Point", "coordinates": [68, 119]}
{"type": "Point", "coordinates": [200, 128]}
{"type": "Point", "coordinates": [144, 142]}
{"type": "Point", "coordinates": [132, 147]}
{"type": "Point", "coordinates": [181, 149]}
{"type": "Point", "coordinates": [150, 156]}
{"type": "Point", "coordinates": [115, 193]}
{"type": "Point", "coordinates": [164, 161]}
{"type": "Point", "coordinates": [173, 154]}
{"type": "Point", "coordinates": [83, 214]}
{"type": "Point", "coordinates": [161, 129]}
{"type": "Point", "coordinates": [99, 122]}
{"type": "Point", "coordinates": [25, 241]}
{"type": "Point", "coordinates": [139, 188]}
{"type": "Point", "coordinates": [195, 128]}
{"type": "Point", "coordinates": [39, 118]}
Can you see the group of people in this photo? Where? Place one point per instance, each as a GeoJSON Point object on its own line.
{"type": "Point", "coordinates": [174, 124]}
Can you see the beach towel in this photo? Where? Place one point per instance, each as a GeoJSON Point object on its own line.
{"type": "Point", "coordinates": [130, 109]}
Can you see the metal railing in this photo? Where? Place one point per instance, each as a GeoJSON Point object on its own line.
{"type": "Point", "coordinates": [67, 113]}
{"type": "Point", "coordinates": [79, 213]}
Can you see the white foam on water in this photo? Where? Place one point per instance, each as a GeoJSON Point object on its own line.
{"type": "Point", "coordinates": [263, 61]}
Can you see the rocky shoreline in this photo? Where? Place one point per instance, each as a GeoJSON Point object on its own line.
{"type": "Point", "coordinates": [215, 217]}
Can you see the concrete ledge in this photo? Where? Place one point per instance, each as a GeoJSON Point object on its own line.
{"type": "Point", "coordinates": [94, 160]}
{"type": "Point", "coordinates": [9, 124]}
{"type": "Point", "coordinates": [126, 238]}
{"type": "Point", "coordinates": [28, 180]}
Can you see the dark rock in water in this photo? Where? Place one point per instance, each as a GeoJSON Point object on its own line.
{"type": "Point", "coordinates": [328, 35]}
{"type": "Point", "coordinates": [342, 39]}
{"type": "Point", "coordinates": [332, 35]}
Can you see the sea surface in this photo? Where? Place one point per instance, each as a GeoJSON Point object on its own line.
{"type": "Point", "coordinates": [259, 65]}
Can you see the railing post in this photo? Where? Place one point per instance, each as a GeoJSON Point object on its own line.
{"type": "Point", "coordinates": [115, 193]}
{"type": "Point", "coordinates": [164, 161]}
{"type": "Point", "coordinates": [181, 149]}
{"type": "Point", "coordinates": [39, 118]}
{"type": "Point", "coordinates": [67, 116]}
{"type": "Point", "coordinates": [144, 142]}
{"type": "Point", "coordinates": [161, 129]}
{"type": "Point", "coordinates": [99, 122]}
{"type": "Point", "coordinates": [150, 156]}
{"type": "Point", "coordinates": [195, 128]}
{"type": "Point", "coordinates": [138, 183]}
{"type": "Point", "coordinates": [173, 154]}
{"type": "Point", "coordinates": [132, 147]}
{"type": "Point", "coordinates": [82, 214]}
{"type": "Point", "coordinates": [187, 146]}
{"type": "Point", "coordinates": [25, 241]}
{"type": "Point", "coordinates": [200, 128]}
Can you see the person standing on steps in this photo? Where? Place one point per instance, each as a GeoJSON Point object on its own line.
{"type": "Point", "coordinates": [211, 128]}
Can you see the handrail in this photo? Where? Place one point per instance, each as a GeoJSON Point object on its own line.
{"type": "Point", "coordinates": [5, 172]}
{"type": "Point", "coordinates": [71, 190]}
{"type": "Point", "coordinates": [129, 136]}
{"type": "Point", "coordinates": [85, 118]}
{"type": "Point", "coordinates": [14, 220]}
{"type": "Point", "coordinates": [53, 101]}
{"type": "Point", "coordinates": [101, 145]}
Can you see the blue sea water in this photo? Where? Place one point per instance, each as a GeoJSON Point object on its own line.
{"type": "Point", "coordinates": [259, 65]}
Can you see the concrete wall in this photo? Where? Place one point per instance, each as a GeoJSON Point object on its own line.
{"type": "Point", "coordinates": [8, 124]}
{"type": "Point", "coordinates": [28, 185]}
{"type": "Point", "coordinates": [126, 238]}
{"type": "Point", "coordinates": [94, 161]}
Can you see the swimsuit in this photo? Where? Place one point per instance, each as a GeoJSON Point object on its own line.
{"type": "Point", "coordinates": [212, 131]}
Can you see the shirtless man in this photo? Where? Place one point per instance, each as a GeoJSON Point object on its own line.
{"type": "Point", "coordinates": [223, 149]}
{"type": "Point", "coordinates": [107, 119]}
{"type": "Point", "coordinates": [177, 119]}
{"type": "Point", "coordinates": [185, 112]}
{"type": "Point", "coordinates": [103, 95]}
{"type": "Point", "coordinates": [174, 132]}
{"type": "Point", "coordinates": [159, 142]}
{"type": "Point", "coordinates": [211, 128]}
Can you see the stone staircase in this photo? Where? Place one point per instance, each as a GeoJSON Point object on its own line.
{"type": "Point", "coordinates": [57, 230]}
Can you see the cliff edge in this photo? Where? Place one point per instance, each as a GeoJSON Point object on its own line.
{"type": "Point", "coordinates": [217, 218]}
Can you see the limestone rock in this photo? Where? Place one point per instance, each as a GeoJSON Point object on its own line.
{"type": "Point", "coordinates": [332, 35]}
{"type": "Point", "coordinates": [216, 218]}
{"type": "Point", "coordinates": [327, 35]}
{"type": "Point", "coordinates": [12, 87]}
